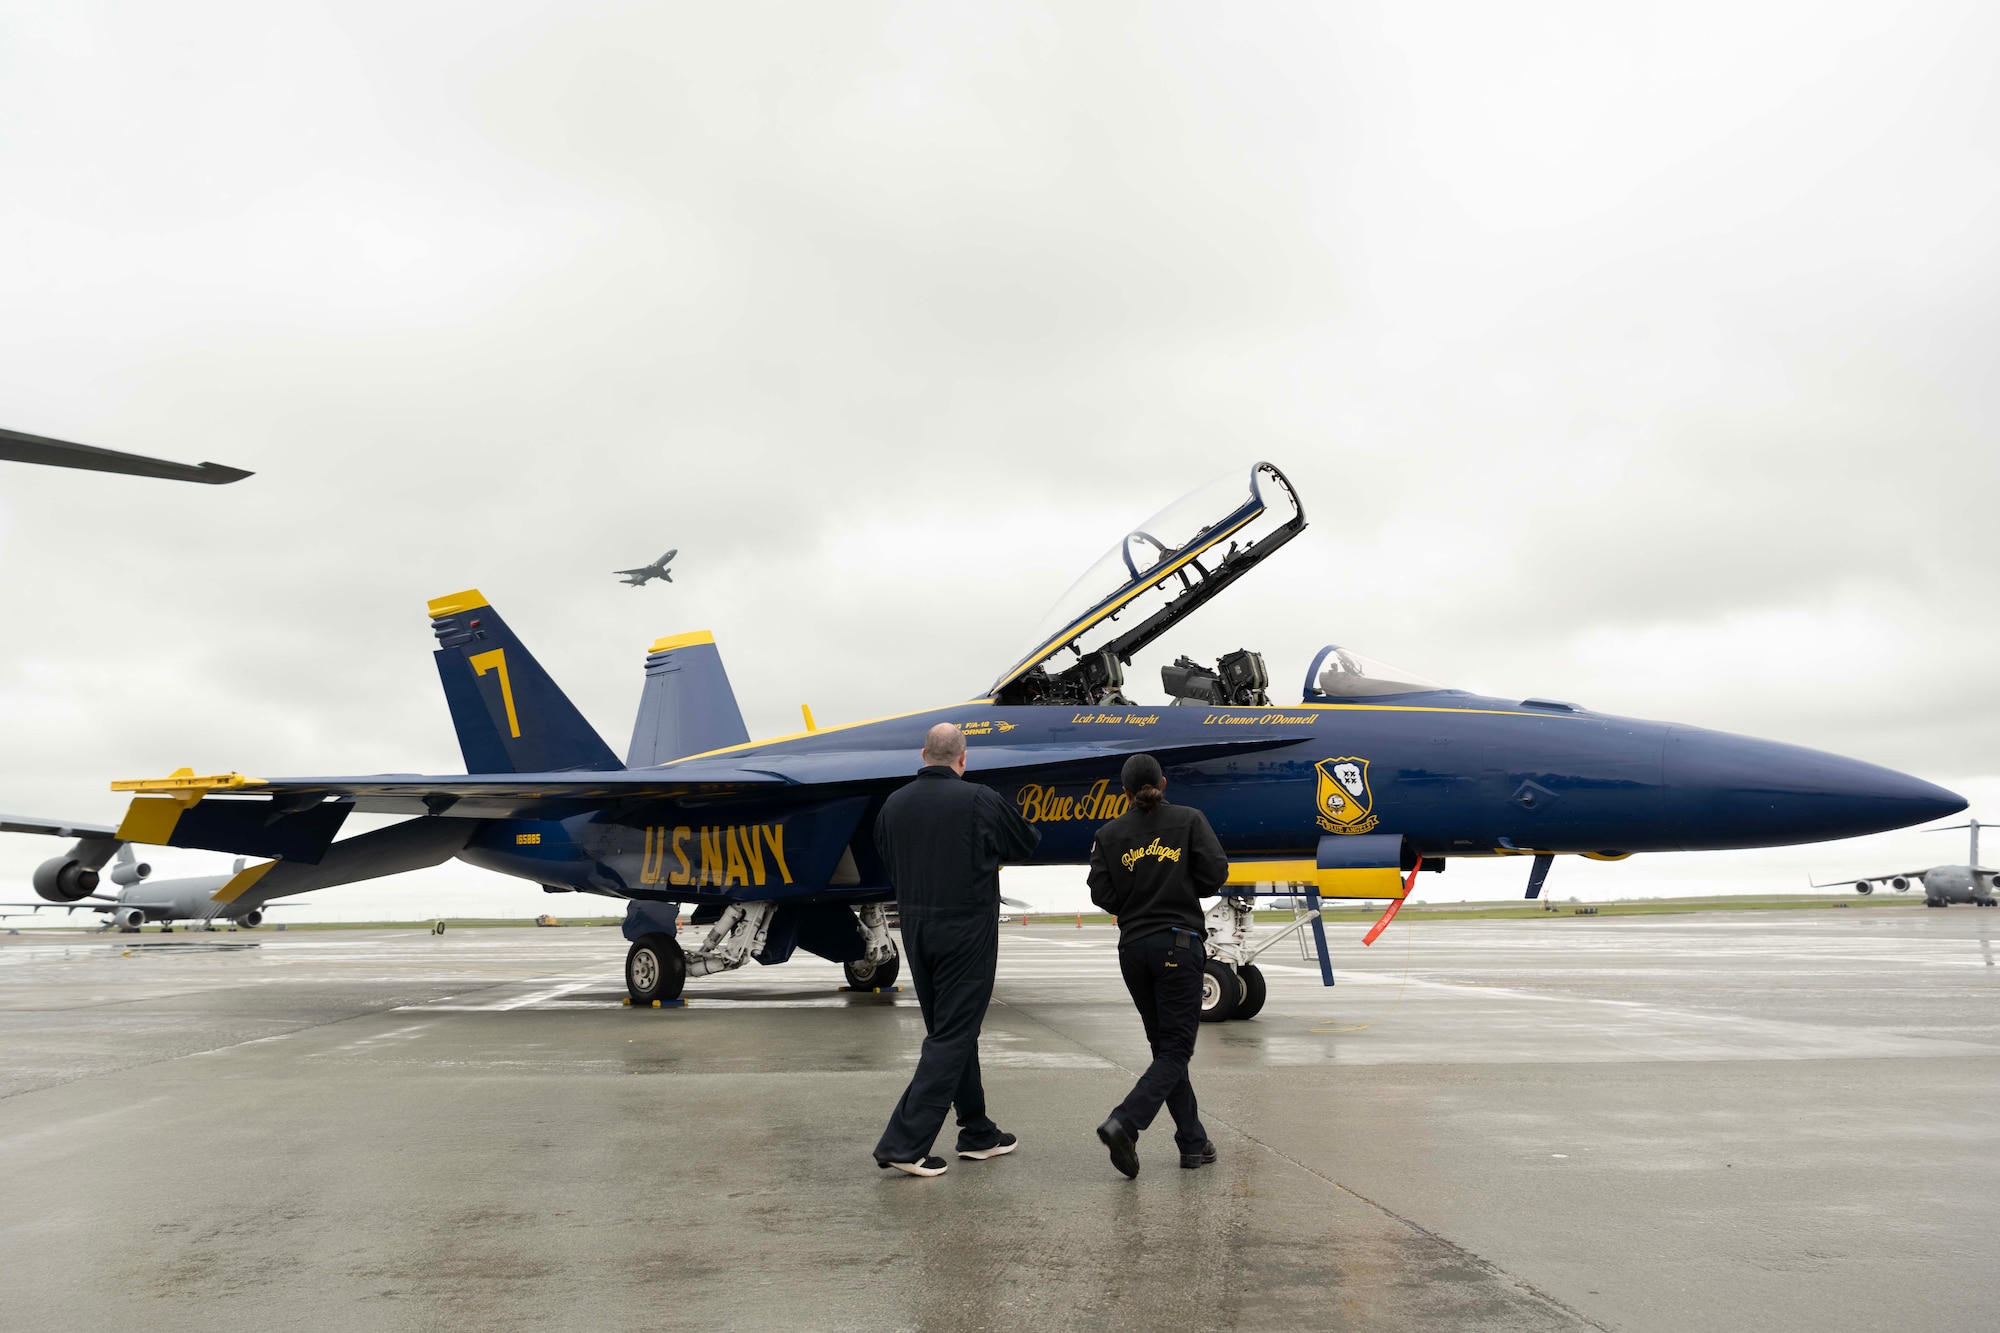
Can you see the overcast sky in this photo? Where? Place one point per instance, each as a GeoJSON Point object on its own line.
{"type": "Point", "coordinates": [1641, 356]}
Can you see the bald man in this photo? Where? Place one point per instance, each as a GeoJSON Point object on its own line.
{"type": "Point", "coordinates": [944, 839]}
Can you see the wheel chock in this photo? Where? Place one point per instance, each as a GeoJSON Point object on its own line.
{"type": "Point", "coordinates": [657, 1004]}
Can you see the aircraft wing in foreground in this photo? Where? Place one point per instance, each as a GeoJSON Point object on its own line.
{"type": "Point", "coordinates": [20, 447]}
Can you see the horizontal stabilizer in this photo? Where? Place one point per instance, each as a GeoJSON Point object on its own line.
{"type": "Point", "coordinates": [510, 715]}
{"type": "Point", "coordinates": [687, 706]}
{"type": "Point", "coordinates": [246, 827]}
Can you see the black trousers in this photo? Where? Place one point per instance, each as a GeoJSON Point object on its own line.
{"type": "Point", "coordinates": [952, 959]}
{"type": "Point", "coordinates": [1163, 972]}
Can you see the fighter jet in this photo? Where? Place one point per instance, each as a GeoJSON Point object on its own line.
{"type": "Point", "coordinates": [1373, 775]}
{"type": "Point", "coordinates": [657, 570]}
{"type": "Point", "coordinates": [17, 447]}
{"type": "Point", "coordinates": [1943, 885]}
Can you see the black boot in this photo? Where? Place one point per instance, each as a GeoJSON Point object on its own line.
{"type": "Point", "coordinates": [1124, 1153]}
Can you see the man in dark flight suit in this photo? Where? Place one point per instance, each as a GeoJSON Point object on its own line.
{"type": "Point", "coordinates": [944, 840]}
{"type": "Point", "coordinates": [1150, 867]}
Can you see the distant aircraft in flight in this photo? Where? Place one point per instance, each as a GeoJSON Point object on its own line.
{"type": "Point", "coordinates": [657, 570]}
{"type": "Point", "coordinates": [17, 447]}
{"type": "Point", "coordinates": [1942, 885]}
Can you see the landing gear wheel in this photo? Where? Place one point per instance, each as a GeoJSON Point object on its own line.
{"type": "Point", "coordinates": [864, 975]}
{"type": "Point", "coordinates": [1220, 992]}
{"type": "Point", "coordinates": [655, 969]}
{"type": "Point", "coordinates": [1251, 1002]}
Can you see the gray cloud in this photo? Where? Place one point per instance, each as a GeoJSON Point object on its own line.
{"type": "Point", "coordinates": [1632, 359]}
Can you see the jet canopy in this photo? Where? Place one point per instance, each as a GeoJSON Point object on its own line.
{"type": "Point", "coordinates": [1155, 576]}
{"type": "Point", "coordinates": [1341, 673]}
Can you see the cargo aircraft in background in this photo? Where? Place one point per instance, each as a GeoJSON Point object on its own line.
{"type": "Point", "coordinates": [1942, 885]}
{"type": "Point", "coordinates": [139, 900]}
{"type": "Point", "coordinates": [1373, 774]}
{"type": "Point", "coordinates": [18, 447]}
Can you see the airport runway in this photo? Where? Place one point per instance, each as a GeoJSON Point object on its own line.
{"type": "Point", "coordinates": [1738, 1120]}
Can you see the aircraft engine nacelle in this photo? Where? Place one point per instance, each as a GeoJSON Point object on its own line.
{"type": "Point", "coordinates": [130, 918]}
{"type": "Point", "coordinates": [64, 879]}
{"type": "Point", "coordinates": [252, 918]}
{"type": "Point", "coordinates": [130, 872]}
{"type": "Point", "coordinates": [1900, 884]}
{"type": "Point", "coordinates": [1864, 888]}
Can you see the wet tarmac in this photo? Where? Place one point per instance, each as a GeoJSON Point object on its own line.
{"type": "Point", "coordinates": [1769, 1121]}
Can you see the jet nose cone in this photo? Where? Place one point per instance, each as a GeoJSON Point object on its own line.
{"type": "Point", "coordinates": [1728, 791]}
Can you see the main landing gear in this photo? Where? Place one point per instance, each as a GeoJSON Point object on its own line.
{"type": "Point", "coordinates": [1231, 985]}
{"type": "Point", "coordinates": [878, 968]}
{"type": "Point", "coordinates": [657, 967]}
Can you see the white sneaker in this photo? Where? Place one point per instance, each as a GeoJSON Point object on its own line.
{"type": "Point", "coordinates": [1006, 1145]}
{"type": "Point", "coordinates": [930, 1166]}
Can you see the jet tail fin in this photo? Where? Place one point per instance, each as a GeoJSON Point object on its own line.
{"type": "Point", "coordinates": [688, 706]}
{"type": "Point", "coordinates": [511, 717]}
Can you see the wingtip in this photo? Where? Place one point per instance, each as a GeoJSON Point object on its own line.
{"type": "Point", "coordinates": [220, 474]}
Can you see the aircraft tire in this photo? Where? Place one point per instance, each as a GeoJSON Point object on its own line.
{"type": "Point", "coordinates": [1251, 1002]}
{"type": "Point", "coordinates": [862, 975]}
{"type": "Point", "coordinates": [1219, 992]}
{"type": "Point", "coordinates": [655, 969]}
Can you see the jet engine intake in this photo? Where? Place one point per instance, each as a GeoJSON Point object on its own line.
{"type": "Point", "coordinates": [64, 879]}
{"type": "Point", "coordinates": [129, 872]}
{"type": "Point", "coordinates": [1899, 884]}
{"type": "Point", "coordinates": [252, 918]}
{"type": "Point", "coordinates": [131, 918]}
{"type": "Point", "coordinates": [1864, 888]}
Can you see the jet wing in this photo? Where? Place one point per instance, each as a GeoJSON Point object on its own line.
{"type": "Point", "coordinates": [91, 904]}
{"type": "Point", "coordinates": [18, 447]}
{"type": "Point", "coordinates": [558, 795]}
{"type": "Point", "coordinates": [54, 828]}
{"type": "Point", "coordinates": [1916, 875]}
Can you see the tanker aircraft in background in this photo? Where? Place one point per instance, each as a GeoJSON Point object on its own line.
{"type": "Point", "coordinates": [1374, 774]}
{"type": "Point", "coordinates": [18, 447]}
{"type": "Point", "coordinates": [139, 899]}
{"type": "Point", "coordinates": [1942, 885]}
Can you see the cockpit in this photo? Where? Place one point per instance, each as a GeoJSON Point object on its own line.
{"type": "Point", "coordinates": [1154, 577]}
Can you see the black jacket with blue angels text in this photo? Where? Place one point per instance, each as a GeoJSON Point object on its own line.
{"type": "Point", "coordinates": [1152, 869]}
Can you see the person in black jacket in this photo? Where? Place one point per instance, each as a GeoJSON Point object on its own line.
{"type": "Point", "coordinates": [944, 839]}
{"type": "Point", "coordinates": [1150, 867]}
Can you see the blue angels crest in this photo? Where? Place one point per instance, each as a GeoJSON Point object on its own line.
{"type": "Point", "coordinates": [1345, 802]}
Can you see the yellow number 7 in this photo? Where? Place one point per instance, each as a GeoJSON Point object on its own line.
{"type": "Point", "coordinates": [497, 659]}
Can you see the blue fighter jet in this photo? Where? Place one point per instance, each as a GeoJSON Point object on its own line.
{"type": "Point", "coordinates": [1373, 774]}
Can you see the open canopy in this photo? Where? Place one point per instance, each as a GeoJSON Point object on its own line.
{"type": "Point", "coordinates": [1154, 576]}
